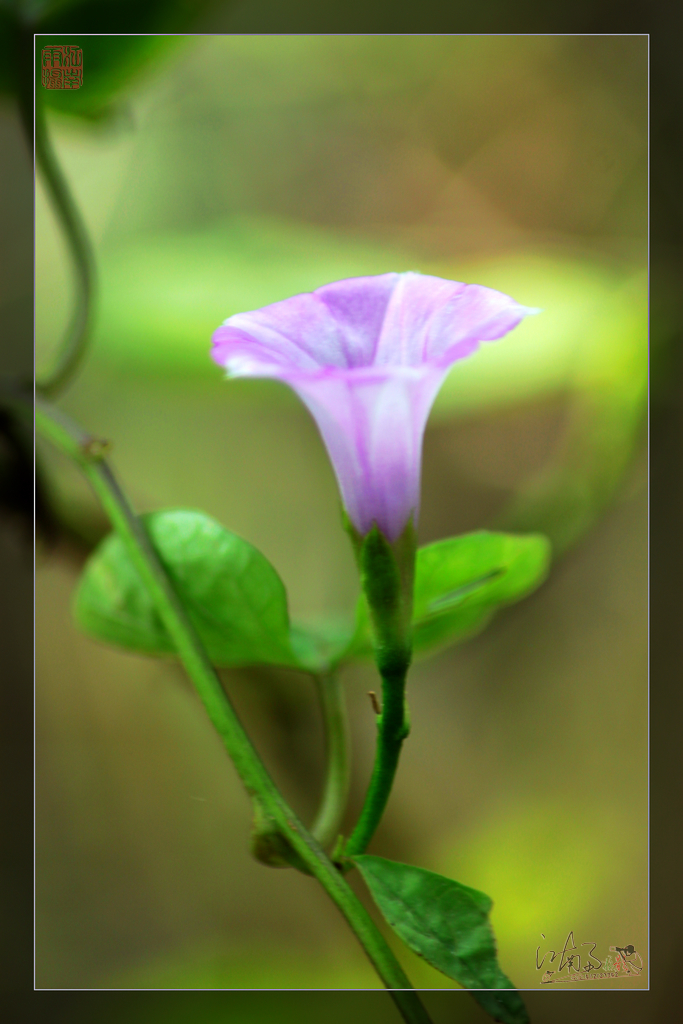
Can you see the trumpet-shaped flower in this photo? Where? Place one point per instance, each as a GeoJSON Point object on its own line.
{"type": "Point", "coordinates": [367, 356]}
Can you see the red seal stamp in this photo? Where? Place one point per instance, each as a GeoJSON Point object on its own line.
{"type": "Point", "coordinates": [62, 67]}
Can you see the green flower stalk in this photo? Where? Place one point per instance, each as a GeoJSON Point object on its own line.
{"type": "Point", "coordinates": [387, 572]}
{"type": "Point", "coordinates": [367, 357]}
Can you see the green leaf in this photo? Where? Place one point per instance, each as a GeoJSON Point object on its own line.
{"type": "Point", "coordinates": [447, 924]}
{"type": "Point", "coordinates": [119, 39]}
{"type": "Point", "coordinates": [110, 65]}
{"type": "Point", "coordinates": [233, 595]}
{"type": "Point", "coordinates": [459, 583]}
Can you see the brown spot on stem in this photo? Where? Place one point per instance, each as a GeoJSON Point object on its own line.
{"type": "Point", "coordinates": [375, 702]}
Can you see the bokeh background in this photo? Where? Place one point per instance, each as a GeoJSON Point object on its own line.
{"type": "Point", "coordinates": [235, 171]}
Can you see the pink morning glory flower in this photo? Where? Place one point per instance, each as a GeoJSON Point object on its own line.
{"type": "Point", "coordinates": [367, 356]}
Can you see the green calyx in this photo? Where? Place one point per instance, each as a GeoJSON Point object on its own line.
{"type": "Point", "coordinates": [387, 573]}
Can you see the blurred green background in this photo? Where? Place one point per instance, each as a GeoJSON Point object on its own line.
{"type": "Point", "coordinates": [235, 171]}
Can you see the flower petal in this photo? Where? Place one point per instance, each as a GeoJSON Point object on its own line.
{"type": "Point", "coordinates": [337, 325]}
{"type": "Point", "coordinates": [367, 357]}
{"type": "Point", "coordinates": [432, 320]}
{"type": "Point", "coordinates": [475, 314]}
{"type": "Point", "coordinates": [372, 425]}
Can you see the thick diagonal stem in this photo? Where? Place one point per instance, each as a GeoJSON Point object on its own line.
{"type": "Point", "coordinates": [86, 451]}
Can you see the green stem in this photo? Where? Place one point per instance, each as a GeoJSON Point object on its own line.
{"type": "Point", "coordinates": [387, 571]}
{"type": "Point", "coordinates": [326, 826]}
{"type": "Point", "coordinates": [392, 729]}
{"type": "Point", "coordinates": [87, 453]}
{"type": "Point", "coordinates": [73, 347]}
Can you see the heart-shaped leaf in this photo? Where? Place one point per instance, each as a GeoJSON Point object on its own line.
{"type": "Point", "coordinates": [459, 583]}
{"type": "Point", "coordinates": [447, 924]}
{"type": "Point", "coordinates": [233, 595]}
